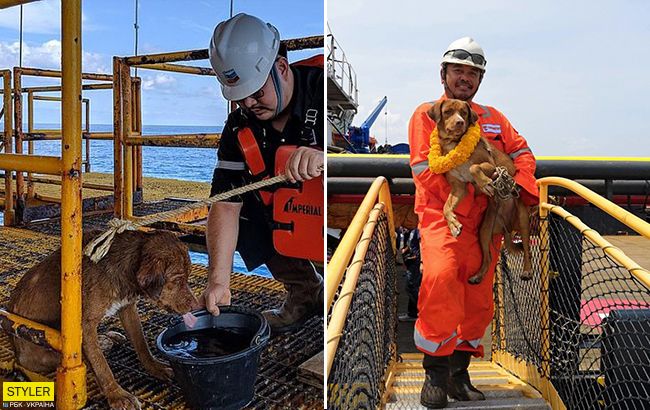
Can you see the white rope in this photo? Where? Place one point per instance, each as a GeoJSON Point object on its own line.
{"type": "Point", "coordinates": [100, 246]}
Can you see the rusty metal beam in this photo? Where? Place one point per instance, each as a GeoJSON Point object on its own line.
{"type": "Point", "coordinates": [87, 185]}
{"type": "Point", "coordinates": [18, 140]}
{"type": "Point", "coordinates": [118, 138]}
{"type": "Point", "coordinates": [57, 88]}
{"type": "Point", "coordinates": [39, 72]}
{"type": "Point", "coordinates": [29, 330]}
{"type": "Point", "coordinates": [53, 135]}
{"type": "Point", "coordinates": [127, 129]}
{"type": "Point", "coordinates": [9, 213]}
{"type": "Point", "coordinates": [177, 140]}
{"type": "Point", "coordinates": [292, 44]}
{"type": "Point", "coordinates": [177, 68]}
{"type": "Point", "coordinates": [10, 3]}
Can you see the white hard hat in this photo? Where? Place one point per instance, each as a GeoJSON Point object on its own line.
{"type": "Point", "coordinates": [242, 52]}
{"type": "Point", "coordinates": [465, 51]}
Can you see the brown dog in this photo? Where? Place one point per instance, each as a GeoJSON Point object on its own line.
{"type": "Point", "coordinates": [453, 118]}
{"type": "Point", "coordinates": [152, 265]}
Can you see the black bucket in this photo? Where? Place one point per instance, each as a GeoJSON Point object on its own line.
{"type": "Point", "coordinates": [215, 362]}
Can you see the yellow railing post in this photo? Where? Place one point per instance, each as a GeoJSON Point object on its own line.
{"type": "Point", "coordinates": [9, 213]}
{"type": "Point", "coordinates": [544, 284]}
{"type": "Point", "coordinates": [138, 128]}
{"type": "Point", "coordinates": [71, 374]}
{"type": "Point", "coordinates": [127, 126]}
{"type": "Point", "coordinates": [30, 144]}
{"type": "Point", "coordinates": [86, 101]}
{"type": "Point", "coordinates": [117, 139]}
{"type": "Point", "coordinates": [18, 147]}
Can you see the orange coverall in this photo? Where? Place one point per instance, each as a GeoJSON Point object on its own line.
{"type": "Point", "coordinates": [453, 314]}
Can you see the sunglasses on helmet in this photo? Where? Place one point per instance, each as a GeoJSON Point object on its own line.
{"type": "Point", "coordinates": [465, 55]}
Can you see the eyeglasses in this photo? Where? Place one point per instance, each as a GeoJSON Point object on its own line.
{"type": "Point", "coordinates": [465, 55]}
{"type": "Point", "coordinates": [256, 95]}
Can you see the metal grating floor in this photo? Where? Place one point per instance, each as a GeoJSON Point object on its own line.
{"type": "Point", "coordinates": [277, 386]}
{"type": "Point", "coordinates": [502, 390]}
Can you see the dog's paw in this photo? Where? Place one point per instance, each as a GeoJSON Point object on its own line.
{"type": "Point", "coordinates": [475, 280]}
{"type": "Point", "coordinates": [160, 371]}
{"type": "Point", "coordinates": [488, 189]}
{"type": "Point", "coordinates": [123, 400]}
{"type": "Point", "coordinates": [526, 275]}
{"type": "Point", "coordinates": [109, 339]}
{"type": "Point", "coordinates": [455, 227]}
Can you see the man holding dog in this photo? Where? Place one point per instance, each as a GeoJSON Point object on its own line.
{"type": "Point", "coordinates": [281, 104]}
{"type": "Point", "coordinates": [453, 314]}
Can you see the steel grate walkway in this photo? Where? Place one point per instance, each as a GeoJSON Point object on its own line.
{"type": "Point", "coordinates": [277, 385]}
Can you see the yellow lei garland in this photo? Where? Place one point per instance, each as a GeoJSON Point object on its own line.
{"type": "Point", "coordinates": [439, 164]}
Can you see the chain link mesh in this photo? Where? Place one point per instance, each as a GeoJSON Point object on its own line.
{"type": "Point", "coordinates": [599, 321]}
{"type": "Point", "coordinates": [358, 376]}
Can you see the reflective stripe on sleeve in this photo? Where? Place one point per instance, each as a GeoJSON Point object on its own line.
{"type": "Point", "coordinates": [517, 153]}
{"type": "Point", "coordinates": [420, 167]}
{"type": "Point", "coordinates": [231, 165]}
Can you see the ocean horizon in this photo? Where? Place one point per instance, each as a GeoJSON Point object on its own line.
{"type": "Point", "coordinates": [190, 164]}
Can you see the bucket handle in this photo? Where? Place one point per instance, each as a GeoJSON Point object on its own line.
{"type": "Point", "coordinates": [264, 332]}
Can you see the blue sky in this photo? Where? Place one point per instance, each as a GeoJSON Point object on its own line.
{"type": "Point", "coordinates": [570, 75]}
{"type": "Point", "coordinates": [165, 25]}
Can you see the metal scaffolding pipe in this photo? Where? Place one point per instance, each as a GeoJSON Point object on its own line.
{"type": "Point", "coordinates": [9, 213]}
{"type": "Point", "coordinates": [177, 140]}
{"type": "Point", "coordinates": [38, 72]}
{"type": "Point", "coordinates": [71, 374]}
{"type": "Point", "coordinates": [55, 88]}
{"type": "Point", "coordinates": [177, 68]}
{"type": "Point", "coordinates": [32, 163]}
{"type": "Point", "coordinates": [291, 44]}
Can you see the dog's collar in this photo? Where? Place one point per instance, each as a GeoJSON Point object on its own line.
{"type": "Point", "coordinates": [439, 164]}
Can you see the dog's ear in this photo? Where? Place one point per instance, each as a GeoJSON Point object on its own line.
{"type": "Point", "coordinates": [435, 112]}
{"type": "Point", "coordinates": [151, 274]}
{"type": "Point", "coordinates": [473, 116]}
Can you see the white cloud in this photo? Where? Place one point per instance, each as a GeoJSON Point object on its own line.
{"type": "Point", "coordinates": [48, 55]}
{"type": "Point", "coordinates": [40, 17]}
{"type": "Point", "coordinates": [160, 81]}
{"type": "Point", "coordinates": [553, 68]}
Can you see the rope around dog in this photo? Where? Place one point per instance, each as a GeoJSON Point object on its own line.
{"type": "Point", "coordinates": [504, 185]}
{"type": "Point", "coordinates": [99, 247]}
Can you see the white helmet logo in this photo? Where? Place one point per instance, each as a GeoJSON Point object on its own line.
{"type": "Point", "coordinates": [231, 76]}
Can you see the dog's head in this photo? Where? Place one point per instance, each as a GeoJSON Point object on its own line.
{"type": "Point", "coordinates": [164, 270]}
{"type": "Point", "coordinates": [452, 117]}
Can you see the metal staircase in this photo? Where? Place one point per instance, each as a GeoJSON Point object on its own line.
{"type": "Point", "coordinates": [502, 390]}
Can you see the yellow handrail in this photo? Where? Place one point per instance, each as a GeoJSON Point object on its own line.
{"type": "Point", "coordinates": [615, 253]}
{"type": "Point", "coordinates": [379, 192]}
{"type": "Point", "coordinates": [340, 310]}
{"type": "Point", "coordinates": [629, 219]}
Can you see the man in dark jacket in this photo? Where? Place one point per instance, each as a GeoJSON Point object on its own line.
{"type": "Point", "coordinates": [281, 104]}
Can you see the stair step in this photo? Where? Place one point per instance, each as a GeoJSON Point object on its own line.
{"type": "Point", "coordinates": [402, 380]}
{"type": "Point", "coordinates": [489, 404]}
{"type": "Point", "coordinates": [412, 393]}
{"type": "Point", "coordinates": [472, 373]}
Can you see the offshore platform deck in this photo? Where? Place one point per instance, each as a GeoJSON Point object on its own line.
{"type": "Point", "coordinates": [277, 384]}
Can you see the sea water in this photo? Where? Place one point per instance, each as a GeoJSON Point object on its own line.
{"type": "Point", "coordinates": [192, 164]}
